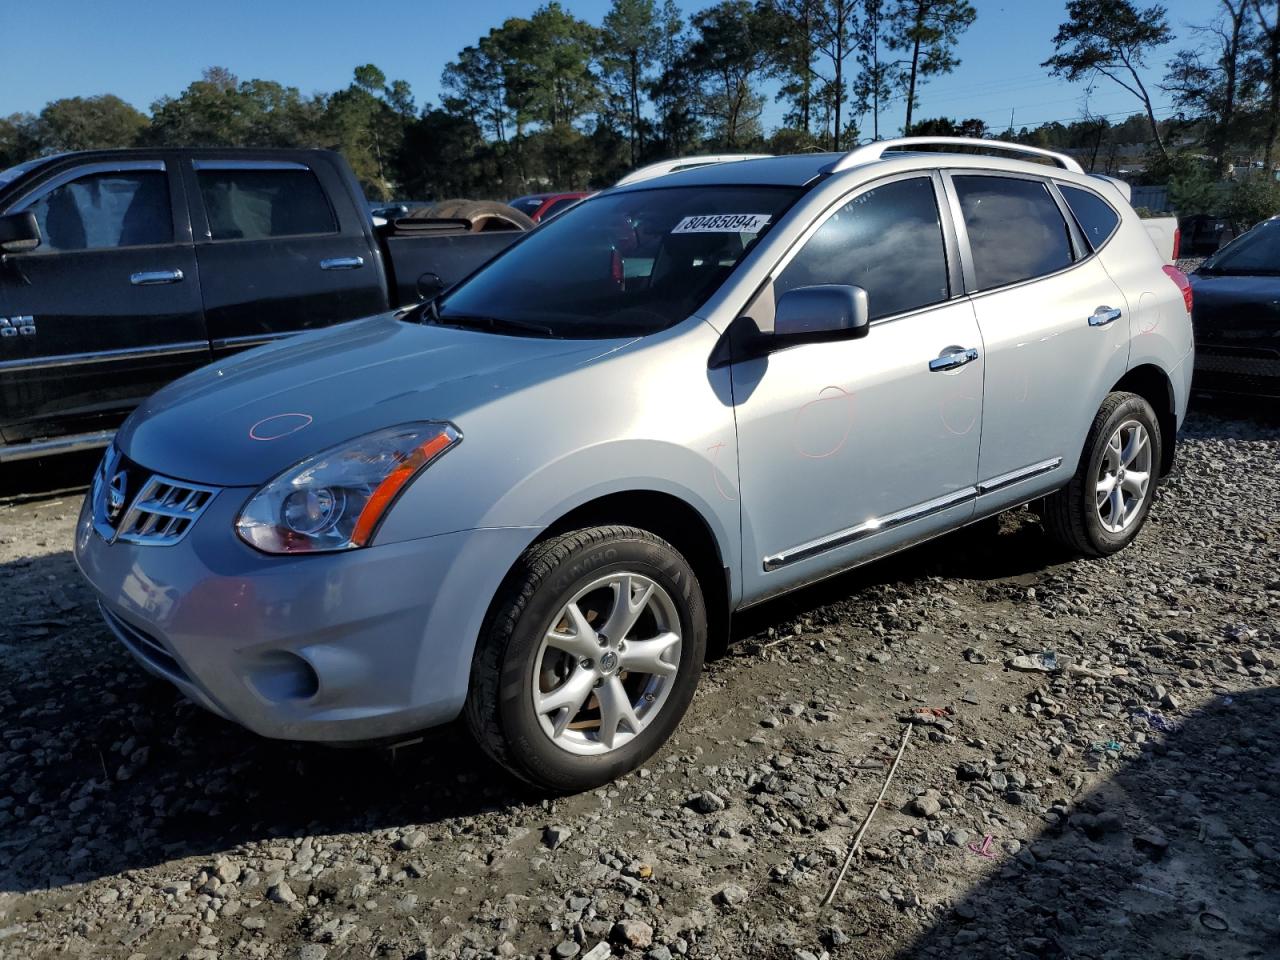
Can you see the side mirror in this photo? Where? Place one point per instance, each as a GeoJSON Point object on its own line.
{"type": "Point", "coordinates": [19, 232]}
{"type": "Point", "coordinates": [429, 285]}
{"type": "Point", "coordinates": [828, 311]}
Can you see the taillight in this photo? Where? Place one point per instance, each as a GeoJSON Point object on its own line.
{"type": "Point", "coordinates": [1177, 244]}
{"type": "Point", "coordinates": [1180, 280]}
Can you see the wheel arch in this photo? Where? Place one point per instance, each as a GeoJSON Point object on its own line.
{"type": "Point", "coordinates": [1153, 385]}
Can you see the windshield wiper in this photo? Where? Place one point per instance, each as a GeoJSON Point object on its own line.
{"type": "Point", "coordinates": [493, 323]}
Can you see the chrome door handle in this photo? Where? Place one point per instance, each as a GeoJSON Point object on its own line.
{"type": "Point", "coordinates": [1104, 315]}
{"type": "Point", "coordinates": [342, 263]}
{"type": "Point", "coordinates": [957, 358]}
{"type": "Point", "coordinates": [148, 278]}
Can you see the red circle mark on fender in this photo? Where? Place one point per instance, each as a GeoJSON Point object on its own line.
{"type": "Point", "coordinates": [279, 425]}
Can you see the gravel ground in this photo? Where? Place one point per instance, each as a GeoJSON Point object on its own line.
{"type": "Point", "coordinates": [1092, 773]}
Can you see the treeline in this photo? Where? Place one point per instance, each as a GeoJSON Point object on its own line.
{"type": "Point", "coordinates": [553, 101]}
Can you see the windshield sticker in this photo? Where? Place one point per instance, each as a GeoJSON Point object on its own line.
{"type": "Point", "coordinates": [723, 223]}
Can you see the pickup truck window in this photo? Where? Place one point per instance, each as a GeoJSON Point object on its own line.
{"type": "Point", "coordinates": [621, 264]}
{"type": "Point", "coordinates": [259, 204]}
{"type": "Point", "coordinates": [1016, 230]}
{"type": "Point", "coordinates": [887, 240]}
{"type": "Point", "coordinates": [1095, 216]}
{"type": "Point", "coordinates": [100, 210]}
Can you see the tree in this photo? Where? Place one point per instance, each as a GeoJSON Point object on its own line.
{"type": "Point", "coordinates": [367, 122]}
{"type": "Point", "coordinates": [946, 127]}
{"type": "Point", "coordinates": [475, 85]}
{"type": "Point", "coordinates": [927, 30]}
{"type": "Point", "coordinates": [1270, 36]}
{"type": "Point", "coordinates": [876, 78]}
{"type": "Point", "coordinates": [220, 110]}
{"type": "Point", "coordinates": [816, 29]}
{"type": "Point", "coordinates": [727, 54]}
{"type": "Point", "coordinates": [1210, 85]}
{"type": "Point", "coordinates": [90, 123]}
{"type": "Point", "coordinates": [19, 139]}
{"type": "Point", "coordinates": [631, 37]}
{"type": "Point", "coordinates": [674, 89]}
{"type": "Point", "coordinates": [1111, 38]}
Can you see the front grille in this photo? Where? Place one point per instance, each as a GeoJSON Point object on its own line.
{"type": "Point", "coordinates": [135, 506]}
{"type": "Point", "coordinates": [144, 646]}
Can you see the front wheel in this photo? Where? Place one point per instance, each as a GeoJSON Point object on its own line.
{"type": "Point", "coordinates": [589, 658]}
{"type": "Point", "coordinates": [1107, 501]}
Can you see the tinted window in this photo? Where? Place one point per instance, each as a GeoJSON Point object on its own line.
{"type": "Point", "coordinates": [258, 204]}
{"type": "Point", "coordinates": [1015, 229]}
{"type": "Point", "coordinates": [560, 206]}
{"type": "Point", "coordinates": [887, 240]}
{"type": "Point", "coordinates": [528, 205]}
{"type": "Point", "coordinates": [100, 210]}
{"type": "Point", "coordinates": [1095, 216]}
{"type": "Point", "coordinates": [621, 264]}
{"type": "Point", "coordinates": [1255, 253]}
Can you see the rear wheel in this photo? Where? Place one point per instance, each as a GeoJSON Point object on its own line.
{"type": "Point", "coordinates": [589, 659]}
{"type": "Point", "coordinates": [1107, 501]}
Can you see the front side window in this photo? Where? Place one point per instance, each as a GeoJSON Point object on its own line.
{"type": "Point", "coordinates": [1016, 231]}
{"type": "Point", "coordinates": [621, 264]}
{"type": "Point", "coordinates": [1096, 217]}
{"type": "Point", "coordinates": [1256, 253]}
{"type": "Point", "coordinates": [887, 240]}
{"type": "Point", "coordinates": [104, 210]}
{"type": "Point", "coordinates": [261, 204]}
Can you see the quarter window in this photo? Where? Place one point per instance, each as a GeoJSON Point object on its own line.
{"type": "Point", "coordinates": [1096, 217]}
{"type": "Point", "coordinates": [887, 240]}
{"type": "Point", "coordinates": [1016, 231]}
{"type": "Point", "coordinates": [103, 210]}
{"type": "Point", "coordinates": [261, 204]}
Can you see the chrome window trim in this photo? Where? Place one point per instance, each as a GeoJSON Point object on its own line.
{"type": "Point", "coordinates": [214, 164]}
{"type": "Point", "coordinates": [1017, 476]}
{"type": "Point", "coordinates": [842, 538]}
{"type": "Point", "coordinates": [253, 339]}
{"type": "Point", "coordinates": [104, 356]}
{"type": "Point", "coordinates": [43, 189]}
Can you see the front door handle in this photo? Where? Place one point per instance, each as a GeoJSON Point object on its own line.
{"type": "Point", "coordinates": [148, 278]}
{"type": "Point", "coordinates": [952, 358]}
{"type": "Point", "coordinates": [342, 263]}
{"type": "Point", "coordinates": [1104, 315]}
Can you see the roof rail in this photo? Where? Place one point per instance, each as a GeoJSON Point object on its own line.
{"type": "Point", "coordinates": [662, 168]}
{"type": "Point", "coordinates": [875, 151]}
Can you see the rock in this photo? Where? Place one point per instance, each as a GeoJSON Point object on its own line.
{"type": "Point", "coordinates": [706, 802]}
{"type": "Point", "coordinates": [412, 840]}
{"type": "Point", "coordinates": [281, 893]}
{"type": "Point", "coordinates": [926, 805]}
{"type": "Point", "coordinates": [1034, 663]}
{"type": "Point", "coordinates": [632, 933]}
{"type": "Point", "coordinates": [731, 895]}
{"type": "Point", "coordinates": [658, 953]}
{"type": "Point", "coordinates": [312, 951]}
{"type": "Point", "coordinates": [553, 836]}
{"type": "Point", "coordinates": [565, 949]}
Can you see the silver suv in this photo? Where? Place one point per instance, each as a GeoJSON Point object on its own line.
{"type": "Point", "coordinates": [533, 500]}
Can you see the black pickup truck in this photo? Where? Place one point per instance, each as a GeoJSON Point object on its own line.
{"type": "Point", "coordinates": [121, 270]}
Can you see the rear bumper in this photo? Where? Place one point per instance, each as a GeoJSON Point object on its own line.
{"type": "Point", "coordinates": [1236, 372]}
{"type": "Point", "coordinates": [353, 646]}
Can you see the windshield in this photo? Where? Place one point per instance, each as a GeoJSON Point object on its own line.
{"type": "Point", "coordinates": [528, 205]}
{"type": "Point", "coordinates": [1255, 253]}
{"type": "Point", "coordinates": [622, 264]}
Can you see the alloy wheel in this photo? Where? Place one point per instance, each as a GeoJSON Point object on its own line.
{"type": "Point", "coordinates": [1124, 476]}
{"type": "Point", "coordinates": [607, 663]}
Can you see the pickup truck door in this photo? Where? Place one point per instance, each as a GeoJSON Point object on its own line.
{"type": "Point", "coordinates": [283, 247]}
{"type": "Point", "coordinates": [852, 449]}
{"type": "Point", "coordinates": [107, 309]}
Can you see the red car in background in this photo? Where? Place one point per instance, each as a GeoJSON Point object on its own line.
{"type": "Point", "coordinates": [543, 206]}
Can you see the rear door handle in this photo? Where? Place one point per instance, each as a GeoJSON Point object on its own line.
{"type": "Point", "coordinates": [148, 278]}
{"type": "Point", "coordinates": [1104, 315]}
{"type": "Point", "coordinates": [342, 263]}
{"type": "Point", "coordinates": [953, 358]}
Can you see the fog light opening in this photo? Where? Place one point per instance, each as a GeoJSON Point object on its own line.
{"type": "Point", "coordinates": [282, 676]}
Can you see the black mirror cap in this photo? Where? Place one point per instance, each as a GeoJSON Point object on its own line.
{"type": "Point", "coordinates": [429, 286]}
{"type": "Point", "coordinates": [19, 232]}
{"type": "Point", "coordinates": [827, 311]}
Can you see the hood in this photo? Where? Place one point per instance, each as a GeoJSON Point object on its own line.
{"type": "Point", "coordinates": [1240, 311]}
{"type": "Point", "coordinates": [241, 421]}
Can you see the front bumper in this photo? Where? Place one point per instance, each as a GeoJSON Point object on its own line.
{"type": "Point", "coordinates": [360, 645]}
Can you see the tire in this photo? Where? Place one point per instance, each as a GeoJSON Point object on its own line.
{"type": "Point", "coordinates": [1074, 515]}
{"type": "Point", "coordinates": [516, 658]}
{"type": "Point", "coordinates": [490, 210]}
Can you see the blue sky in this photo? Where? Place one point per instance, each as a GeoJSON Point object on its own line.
{"type": "Point", "coordinates": [141, 50]}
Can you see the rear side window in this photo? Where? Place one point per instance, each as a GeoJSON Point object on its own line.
{"type": "Point", "coordinates": [101, 210]}
{"type": "Point", "coordinates": [1016, 231]}
{"type": "Point", "coordinates": [261, 204]}
{"type": "Point", "coordinates": [887, 240]}
{"type": "Point", "coordinates": [1096, 217]}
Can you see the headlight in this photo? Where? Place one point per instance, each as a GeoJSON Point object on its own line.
{"type": "Point", "coordinates": [336, 499]}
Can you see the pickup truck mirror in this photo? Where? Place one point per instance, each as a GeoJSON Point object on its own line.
{"type": "Point", "coordinates": [19, 232]}
{"type": "Point", "coordinates": [429, 285]}
{"type": "Point", "coordinates": [828, 311]}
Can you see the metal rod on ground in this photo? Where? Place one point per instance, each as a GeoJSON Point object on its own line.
{"type": "Point", "coordinates": [831, 894]}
